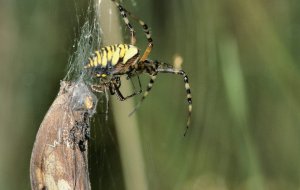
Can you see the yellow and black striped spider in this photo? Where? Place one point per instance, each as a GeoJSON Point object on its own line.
{"type": "Point", "coordinates": [109, 63]}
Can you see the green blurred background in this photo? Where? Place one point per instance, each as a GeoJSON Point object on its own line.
{"type": "Point", "coordinates": [242, 60]}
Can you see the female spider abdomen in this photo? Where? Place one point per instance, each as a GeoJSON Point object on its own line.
{"type": "Point", "coordinates": [110, 56]}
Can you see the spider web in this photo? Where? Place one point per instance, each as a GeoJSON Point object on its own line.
{"type": "Point", "coordinates": [103, 148]}
{"type": "Point", "coordinates": [105, 169]}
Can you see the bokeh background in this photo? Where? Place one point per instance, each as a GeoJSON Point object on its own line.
{"type": "Point", "coordinates": [242, 60]}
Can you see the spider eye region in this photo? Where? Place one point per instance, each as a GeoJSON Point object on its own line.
{"type": "Point", "coordinates": [103, 75]}
{"type": "Point", "coordinates": [101, 72]}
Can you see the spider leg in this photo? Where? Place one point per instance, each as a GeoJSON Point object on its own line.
{"type": "Point", "coordinates": [117, 81]}
{"type": "Point", "coordinates": [145, 27]}
{"type": "Point", "coordinates": [124, 13]}
{"type": "Point", "coordinates": [147, 33]}
{"type": "Point", "coordinates": [149, 87]}
{"type": "Point", "coordinates": [112, 89]}
{"type": "Point", "coordinates": [129, 76]}
{"type": "Point", "coordinates": [118, 93]}
{"type": "Point", "coordinates": [98, 88]}
{"type": "Point", "coordinates": [115, 89]}
{"type": "Point", "coordinates": [136, 92]}
{"type": "Point", "coordinates": [169, 69]}
{"type": "Point", "coordinates": [149, 67]}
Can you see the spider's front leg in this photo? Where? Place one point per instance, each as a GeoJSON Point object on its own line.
{"type": "Point", "coordinates": [145, 27]}
{"type": "Point", "coordinates": [114, 88]}
{"type": "Point", "coordinates": [98, 88]}
{"type": "Point", "coordinates": [129, 76]}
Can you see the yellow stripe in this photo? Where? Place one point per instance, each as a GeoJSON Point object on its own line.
{"type": "Point", "coordinates": [109, 53]}
{"type": "Point", "coordinates": [98, 57]}
{"type": "Point", "coordinates": [122, 50]}
{"type": "Point", "coordinates": [115, 57]}
{"type": "Point", "coordinates": [104, 59]}
{"type": "Point", "coordinates": [95, 61]}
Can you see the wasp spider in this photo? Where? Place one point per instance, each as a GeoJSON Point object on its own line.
{"type": "Point", "coordinates": [109, 63]}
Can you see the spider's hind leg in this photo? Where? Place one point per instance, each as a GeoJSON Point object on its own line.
{"type": "Point", "coordinates": [171, 70]}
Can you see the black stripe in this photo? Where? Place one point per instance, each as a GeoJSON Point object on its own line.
{"type": "Point", "coordinates": [106, 50]}
{"type": "Point", "coordinates": [120, 59]}
{"type": "Point", "coordinates": [112, 48]}
{"type": "Point", "coordinates": [130, 26]}
{"type": "Point", "coordinates": [109, 64]}
{"type": "Point", "coordinates": [189, 100]}
{"type": "Point", "coordinates": [121, 8]}
{"type": "Point", "coordinates": [186, 79]}
{"type": "Point", "coordinates": [188, 91]}
{"type": "Point", "coordinates": [145, 27]}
